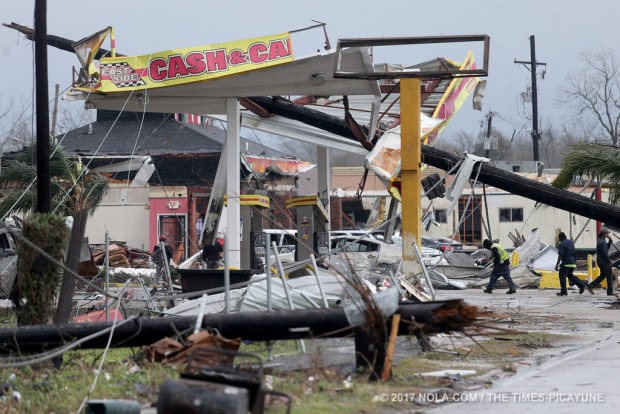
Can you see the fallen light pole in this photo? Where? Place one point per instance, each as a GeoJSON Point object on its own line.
{"type": "Point", "coordinates": [430, 317]}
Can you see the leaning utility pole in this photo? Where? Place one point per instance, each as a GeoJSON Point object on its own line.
{"type": "Point", "coordinates": [533, 64]}
{"type": "Point", "coordinates": [42, 107]}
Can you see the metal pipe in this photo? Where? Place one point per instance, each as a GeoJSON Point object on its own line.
{"type": "Point", "coordinates": [424, 272]}
{"type": "Point", "coordinates": [226, 276]}
{"type": "Point", "coordinates": [107, 275]}
{"type": "Point", "coordinates": [285, 286]}
{"type": "Point", "coordinates": [318, 281]}
{"type": "Point", "coordinates": [201, 313]}
{"type": "Point", "coordinates": [268, 272]}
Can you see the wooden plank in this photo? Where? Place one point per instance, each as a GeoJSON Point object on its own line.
{"type": "Point", "coordinates": [389, 354]}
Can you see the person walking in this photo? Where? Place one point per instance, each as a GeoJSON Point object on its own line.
{"type": "Point", "coordinates": [161, 258]}
{"type": "Point", "coordinates": [501, 267]}
{"type": "Point", "coordinates": [603, 261]}
{"type": "Point", "coordinates": [568, 259]}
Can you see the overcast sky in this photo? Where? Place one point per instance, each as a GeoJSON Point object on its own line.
{"type": "Point", "coordinates": [563, 28]}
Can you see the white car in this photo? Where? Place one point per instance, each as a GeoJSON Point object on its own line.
{"type": "Point", "coordinates": [369, 253]}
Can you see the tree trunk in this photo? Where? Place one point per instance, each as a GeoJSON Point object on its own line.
{"type": "Point", "coordinates": [72, 262]}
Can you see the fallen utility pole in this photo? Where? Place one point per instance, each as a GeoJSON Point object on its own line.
{"type": "Point", "coordinates": [542, 193]}
{"type": "Point", "coordinates": [496, 177]}
{"type": "Point", "coordinates": [430, 317]}
{"type": "Point", "coordinates": [55, 41]}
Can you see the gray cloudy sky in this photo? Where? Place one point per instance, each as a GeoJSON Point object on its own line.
{"type": "Point", "coordinates": [563, 28]}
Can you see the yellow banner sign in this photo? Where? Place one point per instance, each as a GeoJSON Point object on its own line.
{"type": "Point", "coordinates": [179, 66]}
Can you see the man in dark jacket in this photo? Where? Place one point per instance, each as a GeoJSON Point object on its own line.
{"type": "Point", "coordinates": [603, 261]}
{"type": "Point", "coordinates": [501, 267]}
{"type": "Point", "coordinates": [566, 255]}
{"type": "Point", "coordinates": [212, 255]}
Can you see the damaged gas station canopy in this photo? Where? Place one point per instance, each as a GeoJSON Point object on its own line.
{"type": "Point", "coordinates": [198, 80]}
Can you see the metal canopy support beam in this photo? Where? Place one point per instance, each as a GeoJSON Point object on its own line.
{"type": "Point", "coordinates": [410, 102]}
{"type": "Point", "coordinates": [341, 71]}
{"type": "Point", "coordinates": [233, 181]}
{"type": "Point", "coordinates": [324, 180]}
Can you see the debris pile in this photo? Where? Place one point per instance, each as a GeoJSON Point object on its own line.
{"type": "Point", "coordinates": [121, 256]}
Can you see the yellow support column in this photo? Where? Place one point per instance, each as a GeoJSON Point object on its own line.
{"type": "Point", "coordinates": [411, 160]}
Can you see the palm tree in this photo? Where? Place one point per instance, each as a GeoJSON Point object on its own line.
{"type": "Point", "coordinates": [74, 192]}
{"type": "Point", "coordinates": [592, 160]}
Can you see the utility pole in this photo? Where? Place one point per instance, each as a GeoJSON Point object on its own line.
{"type": "Point", "coordinates": [487, 140]}
{"type": "Point", "coordinates": [533, 64]}
{"type": "Point", "coordinates": [42, 107]}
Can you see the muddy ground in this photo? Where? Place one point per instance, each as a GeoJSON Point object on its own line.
{"type": "Point", "coordinates": [576, 370]}
{"type": "Point", "coordinates": [538, 353]}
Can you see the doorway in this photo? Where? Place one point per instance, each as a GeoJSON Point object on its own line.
{"type": "Point", "coordinates": [174, 227]}
{"type": "Point", "coordinates": [471, 225]}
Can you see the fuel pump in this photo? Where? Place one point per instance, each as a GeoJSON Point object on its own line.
{"type": "Point", "coordinates": [312, 220]}
{"type": "Point", "coordinates": [253, 238]}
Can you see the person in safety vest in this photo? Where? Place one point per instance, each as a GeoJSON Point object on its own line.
{"type": "Point", "coordinates": [501, 267]}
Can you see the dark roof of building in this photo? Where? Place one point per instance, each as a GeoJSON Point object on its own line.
{"type": "Point", "coordinates": [157, 134]}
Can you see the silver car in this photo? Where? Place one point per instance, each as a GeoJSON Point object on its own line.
{"type": "Point", "coordinates": [368, 253]}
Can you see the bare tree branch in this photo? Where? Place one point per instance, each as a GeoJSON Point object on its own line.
{"type": "Point", "coordinates": [594, 92]}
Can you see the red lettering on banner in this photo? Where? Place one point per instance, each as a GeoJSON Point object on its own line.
{"type": "Point", "coordinates": [157, 69]}
{"type": "Point", "coordinates": [216, 60]}
{"type": "Point", "coordinates": [278, 50]}
{"type": "Point", "coordinates": [237, 57]}
{"type": "Point", "coordinates": [196, 63]}
{"type": "Point", "coordinates": [176, 67]}
{"type": "Point", "coordinates": [258, 53]}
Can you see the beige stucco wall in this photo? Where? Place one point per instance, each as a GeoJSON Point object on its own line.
{"type": "Point", "coordinates": [124, 214]}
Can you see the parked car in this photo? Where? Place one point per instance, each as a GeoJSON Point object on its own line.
{"type": "Point", "coordinates": [352, 233]}
{"type": "Point", "coordinates": [286, 240]}
{"type": "Point", "coordinates": [369, 253]}
{"type": "Point", "coordinates": [441, 243]}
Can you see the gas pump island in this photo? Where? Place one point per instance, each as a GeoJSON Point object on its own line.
{"type": "Point", "coordinates": [312, 226]}
{"type": "Point", "coordinates": [253, 238]}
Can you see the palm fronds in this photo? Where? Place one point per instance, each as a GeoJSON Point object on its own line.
{"type": "Point", "coordinates": [592, 160]}
{"type": "Point", "coordinates": [17, 174]}
{"type": "Point", "coordinates": [73, 189]}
